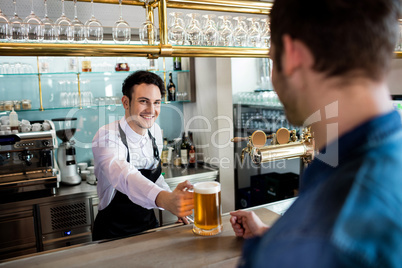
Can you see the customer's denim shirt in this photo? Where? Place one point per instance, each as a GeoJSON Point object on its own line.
{"type": "Point", "coordinates": [347, 215]}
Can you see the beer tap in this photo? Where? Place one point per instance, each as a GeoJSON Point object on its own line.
{"type": "Point", "coordinates": [284, 145]}
{"type": "Point", "coordinates": [257, 139]}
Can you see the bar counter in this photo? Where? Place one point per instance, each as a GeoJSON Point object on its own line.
{"type": "Point", "coordinates": [174, 246]}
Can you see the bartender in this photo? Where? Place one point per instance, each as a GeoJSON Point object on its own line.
{"type": "Point", "coordinates": [128, 167]}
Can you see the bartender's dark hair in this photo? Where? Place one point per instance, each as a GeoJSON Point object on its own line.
{"type": "Point", "coordinates": [342, 35]}
{"type": "Point", "coordinates": [141, 77]}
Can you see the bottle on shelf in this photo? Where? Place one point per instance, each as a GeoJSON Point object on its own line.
{"type": "Point", "coordinates": [191, 153]}
{"type": "Point", "coordinates": [191, 157]}
{"type": "Point", "coordinates": [73, 64]}
{"type": "Point", "coordinates": [86, 65]}
{"type": "Point", "coordinates": [171, 88]}
{"type": "Point", "coordinates": [177, 158]}
{"type": "Point", "coordinates": [177, 63]}
{"type": "Point", "coordinates": [165, 152]}
{"type": "Point", "coordinates": [153, 65]}
{"type": "Point", "coordinates": [169, 156]}
{"type": "Point", "coordinates": [184, 148]}
{"type": "Point", "coordinates": [13, 120]}
{"type": "Point", "coordinates": [121, 65]}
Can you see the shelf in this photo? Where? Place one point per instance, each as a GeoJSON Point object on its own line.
{"type": "Point", "coordinates": [398, 54]}
{"type": "Point", "coordinates": [79, 50]}
{"type": "Point", "coordinates": [259, 106]}
{"type": "Point", "coordinates": [110, 50]}
{"type": "Point", "coordinates": [227, 52]}
{"type": "Point", "coordinates": [90, 73]}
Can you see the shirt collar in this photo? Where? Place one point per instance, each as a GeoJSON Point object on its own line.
{"type": "Point", "coordinates": [131, 135]}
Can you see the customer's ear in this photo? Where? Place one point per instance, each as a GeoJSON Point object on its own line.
{"type": "Point", "coordinates": [296, 54]}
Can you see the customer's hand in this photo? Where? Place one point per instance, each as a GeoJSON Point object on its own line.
{"type": "Point", "coordinates": [247, 224]}
{"type": "Point", "coordinates": [180, 202]}
{"type": "Point", "coordinates": [183, 220]}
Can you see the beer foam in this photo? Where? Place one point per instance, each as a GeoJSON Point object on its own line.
{"type": "Point", "coordinates": [207, 187]}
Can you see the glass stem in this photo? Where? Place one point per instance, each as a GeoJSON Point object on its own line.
{"type": "Point", "coordinates": [62, 8]}
{"type": "Point", "coordinates": [75, 10]}
{"type": "Point", "coordinates": [45, 9]}
{"type": "Point", "coordinates": [92, 8]}
{"type": "Point", "coordinates": [15, 7]}
{"type": "Point", "coordinates": [121, 12]}
{"type": "Point", "coordinates": [32, 9]}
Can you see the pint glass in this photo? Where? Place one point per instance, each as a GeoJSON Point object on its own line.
{"type": "Point", "coordinates": [207, 208]}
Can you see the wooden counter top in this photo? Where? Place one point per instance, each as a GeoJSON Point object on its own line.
{"type": "Point", "coordinates": [171, 247]}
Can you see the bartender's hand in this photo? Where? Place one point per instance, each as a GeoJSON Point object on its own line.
{"type": "Point", "coordinates": [180, 202]}
{"type": "Point", "coordinates": [247, 224]}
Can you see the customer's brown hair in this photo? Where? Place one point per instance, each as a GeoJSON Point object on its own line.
{"type": "Point", "coordinates": [343, 35]}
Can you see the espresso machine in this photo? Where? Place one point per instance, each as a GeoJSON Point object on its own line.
{"type": "Point", "coordinates": [65, 130]}
{"type": "Point", "coordinates": [27, 168]}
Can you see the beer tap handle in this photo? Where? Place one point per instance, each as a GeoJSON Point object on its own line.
{"type": "Point", "coordinates": [239, 139]}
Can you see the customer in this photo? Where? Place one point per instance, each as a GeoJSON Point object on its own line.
{"type": "Point", "coordinates": [331, 59]}
{"type": "Point", "coordinates": [127, 165]}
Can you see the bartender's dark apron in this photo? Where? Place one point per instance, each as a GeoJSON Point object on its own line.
{"type": "Point", "coordinates": [122, 217]}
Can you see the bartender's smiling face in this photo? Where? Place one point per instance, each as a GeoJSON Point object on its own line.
{"type": "Point", "coordinates": [144, 107]}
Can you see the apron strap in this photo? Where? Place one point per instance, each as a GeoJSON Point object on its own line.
{"type": "Point", "coordinates": [156, 151]}
{"type": "Point", "coordinates": [124, 140]}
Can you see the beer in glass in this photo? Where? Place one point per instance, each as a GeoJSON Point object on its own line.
{"type": "Point", "coordinates": [207, 208]}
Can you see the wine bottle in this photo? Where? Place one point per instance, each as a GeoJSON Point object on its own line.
{"type": "Point", "coordinates": [184, 150]}
{"type": "Point", "coordinates": [171, 88]}
{"type": "Point", "coordinates": [191, 157]}
{"type": "Point", "coordinates": [177, 63]}
{"type": "Point", "coordinates": [165, 151]}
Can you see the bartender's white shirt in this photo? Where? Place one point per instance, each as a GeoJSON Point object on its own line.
{"type": "Point", "coordinates": [115, 173]}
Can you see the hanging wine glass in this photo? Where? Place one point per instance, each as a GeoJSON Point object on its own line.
{"type": "Point", "coordinates": [226, 33]}
{"type": "Point", "coordinates": [93, 28]}
{"type": "Point", "coordinates": [265, 34]}
{"type": "Point", "coordinates": [193, 30]}
{"type": "Point", "coordinates": [16, 25]}
{"type": "Point", "coordinates": [240, 32]}
{"type": "Point", "coordinates": [176, 31]}
{"type": "Point", "coordinates": [49, 31]}
{"type": "Point", "coordinates": [148, 32]}
{"type": "Point", "coordinates": [64, 27]}
{"type": "Point", "coordinates": [4, 28]}
{"type": "Point", "coordinates": [121, 29]}
{"type": "Point", "coordinates": [254, 36]}
{"type": "Point", "coordinates": [33, 27]}
{"type": "Point", "coordinates": [210, 33]}
{"type": "Point", "coordinates": [79, 27]}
